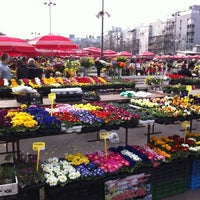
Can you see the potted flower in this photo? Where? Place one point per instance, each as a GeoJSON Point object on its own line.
{"type": "Point", "coordinates": [165, 80]}
{"type": "Point", "coordinates": [86, 62]}
{"type": "Point", "coordinates": [70, 123]}
{"type": "Point", "coordinates": [8, 180]}
{"type": "Point", "coordinates": [46, 122]}
{"type": "Point", "coordinates": [59, 172]}
{"type": "Point", "coordinates": [30, 180]}
{"type": "Point", "coordinates": [71, 67]}
{"type": "Point", "coordinates": [22, 122]}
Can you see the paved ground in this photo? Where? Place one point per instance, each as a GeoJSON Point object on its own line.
{"type": "Point", "coordinates": [70, 143]}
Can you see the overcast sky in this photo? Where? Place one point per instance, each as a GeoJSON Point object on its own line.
{"type": "Point", "coordinates": [21, 17]}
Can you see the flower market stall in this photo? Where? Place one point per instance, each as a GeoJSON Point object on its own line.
{"type": "Point", "coordinates": [164, 166]}
{"type": "Point", "coordinates": [129, 171]}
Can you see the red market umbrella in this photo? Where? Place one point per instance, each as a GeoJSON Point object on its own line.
{"type": "Point", "coordinates": [53, 42]}
{"type": "Point", "coordinates": [92, 50]}
{"type": "Point", "coordinates": [146, 54]}
{"type": "Point", "coordinates": [125, 53]}
{"type": "Point", "coordinates": [81, 52]}
{"type": "Point", "coordinates": [56, 52]}
{"type": "Point", "coordinates": [109, 51]}
{"type": "Point", "coordinates": [15, 45]}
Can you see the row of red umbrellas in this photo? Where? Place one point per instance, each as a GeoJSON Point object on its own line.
{"type": "Point", "coordinates": [48, 45]}
{"type": "Point", "coordinates": [41, 44]}
{"type": "Point", "coordinates": [62, 46]}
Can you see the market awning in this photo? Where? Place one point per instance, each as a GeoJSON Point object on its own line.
{"type": "Point", "coordinates": [15, 45]}
{"type": "Point", "coordinates": [53, 42]}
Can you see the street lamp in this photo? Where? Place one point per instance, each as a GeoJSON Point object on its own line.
{"type": "Point", "coordinates": [50, 4]}
{"type": "Point", "coordinates": [35, 33]}
{"type": "Point", "coordinates": [101, 14]}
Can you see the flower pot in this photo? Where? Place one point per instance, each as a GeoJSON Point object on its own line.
{"type": "Point", "coordinates": [165, 82]}
{"type": "Point", "coordinates": [9, 189]}
{"type": "Point", "coordinates": [109, 127]}
{"type": "Point", "coordinates": [90, 129]}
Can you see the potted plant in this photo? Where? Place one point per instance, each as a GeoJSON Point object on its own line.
{"type": "Point", "coordinates": [8, 180]}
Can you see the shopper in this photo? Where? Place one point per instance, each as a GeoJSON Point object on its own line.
{"type": "Point", "coordinates": [184, 70]}
{"type": "Point", "coordinates": [22, 70]}
{"type": "Point", "coordinates": [192, 64]}
{"type": "Point", "coordinates": [33, 70]}
{"type": "Point", "coordinates": [5, 72]}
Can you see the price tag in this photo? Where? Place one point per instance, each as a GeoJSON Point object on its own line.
{"type": "Point", "coordinates": [52, 96]}
{"type": "Point", "coordinates": [186, 124]}
{"type": "Point", "coordinates": [38, 146]}
{"type": "Point", "coordinates": [189, 88]}
{"type": "Point", "coordinates": [103, 135]}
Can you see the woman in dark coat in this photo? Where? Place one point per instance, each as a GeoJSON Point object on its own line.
{"type": "Point", "coordinates": [22, 70]}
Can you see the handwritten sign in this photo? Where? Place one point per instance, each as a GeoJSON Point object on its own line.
{"type": "Point", "coordinates": [103, 136]}
{"type": "Point", "coordinates": [185, 125]}
{"type": "Point", "coordinates": [38, 146]}
{"type": "Point", "coordinates": [52, 97]}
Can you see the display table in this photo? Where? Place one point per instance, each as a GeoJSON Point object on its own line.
{"type": "Point", "coordinates": [46, 102]}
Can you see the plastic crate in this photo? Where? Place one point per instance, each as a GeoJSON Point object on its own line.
{"type": "Point", "coordinates": [169, 179]}
{"type": "Point", "coordinates": [168, 189]}
{"type": "Point", "coordinates": [30, 99]}
{"type": "Point", "coordinates": [83, 190]}
{"type": "Point", "coordinates": [68, 97]}
{"type": "Point", "coordinates": [194, 175]}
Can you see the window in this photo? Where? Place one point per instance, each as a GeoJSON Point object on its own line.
{"type": "Point", "coordinates": [190, 21]}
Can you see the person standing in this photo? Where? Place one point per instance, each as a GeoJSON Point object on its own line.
{"type": "Point", "coordinates": [5, 72]}
{"type": "Point", "coordinates": [22, 70]}
{"type": "Point", "coordinates": [192, 64]}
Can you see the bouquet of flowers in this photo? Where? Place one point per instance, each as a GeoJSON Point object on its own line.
{"type": "Point", "coordinates": [87, 62]}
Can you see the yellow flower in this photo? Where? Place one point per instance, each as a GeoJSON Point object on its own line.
{"type": "Point", "coordinates": [23, 106]}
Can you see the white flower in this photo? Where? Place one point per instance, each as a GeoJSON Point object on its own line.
{"type": "Point", "coordinates": [47, 176]}
{"type": "Point", "coordinates": [74, 175]}
{"type": "Point", "coordinates": [53, 160]}
{"type": "Point", "coordinates": [62, 178]}
{"type": "Point", "coordinates": [191, 139]}
{"type": "Point", "coordinates": [192, 149]}
{"type": "Point", "coordinates": [52, 181]}
{"type": "Point", "coordinates": [185, 145]}
{"type": "Point", "coordinates": [131, 155]}
{"type": "Point", "coordinates": [47, 168]}
{"type": "Point", "coordinates": [37, 80]}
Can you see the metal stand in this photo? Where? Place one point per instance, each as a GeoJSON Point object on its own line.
{"type": "Point", "coordinates": [190, 128]}
{"type": "Point", "coordinates": [126, 136]}
{"type": "Point", "coordinates": [151, 131]}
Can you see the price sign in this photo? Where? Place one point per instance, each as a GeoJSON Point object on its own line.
{"type": "Point", "coordinates": [38, 146]}
{"type": "Point", "coordinates": [185, 125]}
{"type": "Point", "coordinates": [52, 97]}
{"type": "Point", "coordinates": [103, 136]}
{"type": "Point", "coordinates": [189, 88]}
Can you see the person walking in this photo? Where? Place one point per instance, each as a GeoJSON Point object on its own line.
{"type": "Point", "coordinates": [5, 72]}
